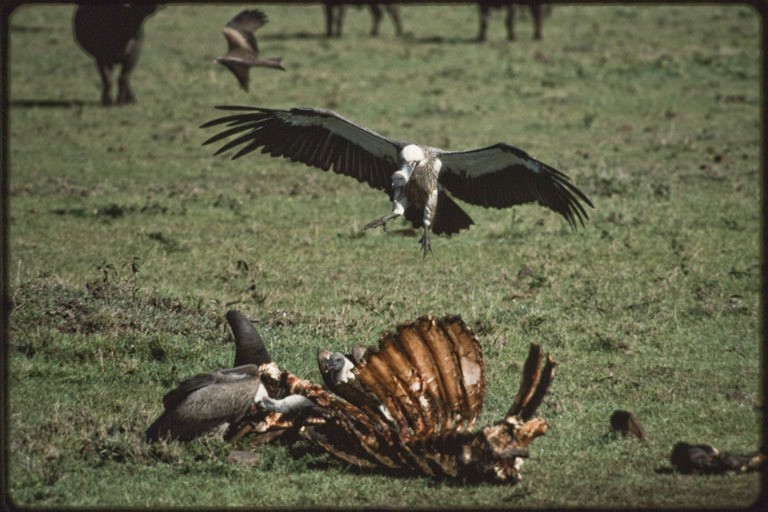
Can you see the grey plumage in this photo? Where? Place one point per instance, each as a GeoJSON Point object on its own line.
{"type": "Point", "coordinates": [208, 401]}
{"type": "Point", "coordinates": [242, 49]}
{"type": "Point", "coordinates": [417, 178]}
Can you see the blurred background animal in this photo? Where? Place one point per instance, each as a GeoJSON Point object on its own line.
{"type": "Point", "coordinates": [538, 12]}
{"type": "Point", "coordinates": [242, 50]}
{"type": "Point", "coordinates": [334, 17]}
{"type": "Point", "coordinates": [112, 32]}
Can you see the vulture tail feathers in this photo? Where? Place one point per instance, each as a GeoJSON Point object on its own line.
{"type": "Point", "coordinates": [449, 218]}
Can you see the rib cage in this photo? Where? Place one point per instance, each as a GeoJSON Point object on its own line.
{"type": "Point", "coordinates": [430, 376]}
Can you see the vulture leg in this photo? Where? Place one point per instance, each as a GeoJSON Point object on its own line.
{"type": "Point", "coordinates": [381, 221]}
{"type": "Point", "coordinates": [429, 213]}
{"type": "Point", "coordinates": [425, 241]}
{"type": "Point", "coordinates": [400, 204]}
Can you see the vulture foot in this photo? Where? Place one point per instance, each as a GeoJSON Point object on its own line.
{"type": "Point", "coordinates": [425, 243]}
{"type": "Point", "coordinates": [381, 221]}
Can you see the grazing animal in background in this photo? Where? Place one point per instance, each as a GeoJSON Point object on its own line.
{"type": "Point", "coordinates": [538, 11]}
{"type": "Point", "coordinates": [112, 32]}
{"type": "Point", "coordinates": [242, 50]}
{"type": "Point", "coordinates": [417, 178]}
{"type": "Point", "coordinates": [334, 17]}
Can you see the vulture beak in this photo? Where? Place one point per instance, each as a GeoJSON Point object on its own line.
{"type": "Point", "coordinates": [402, 176]}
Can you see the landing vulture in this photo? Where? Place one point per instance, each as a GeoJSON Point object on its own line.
{"type": "Point", "coordinates": [243, 52]}
{"type": "Point", "coordinates": [417, 178]}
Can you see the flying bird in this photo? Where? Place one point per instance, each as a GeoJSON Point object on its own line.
{"type": "Point", "coordinates": [417, 178]}
{"type": "Point", "coordinates": [243, 52]}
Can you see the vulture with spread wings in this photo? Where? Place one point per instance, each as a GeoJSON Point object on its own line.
{"type": "Point", "coordinates": [243, 52]}
{"type": "Point", "coordinates": [417, 178]}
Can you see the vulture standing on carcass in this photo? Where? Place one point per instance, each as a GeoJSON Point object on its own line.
{"type": "Point", "coordinates": [417, 178]}
{"type": "Point", "coordinates": [217, 399]}
{"type": "Point", "coordinates": [208, 401]}
{"type": "Point", "coordinates": [242, 51]}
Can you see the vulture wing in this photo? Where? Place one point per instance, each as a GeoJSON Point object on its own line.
{"type": "Point", "coordinates": [174, 397]}
{"type": "Point", "coordinates": [238, 68]}
{"type": "Point", "coordinates": [502, 175]}
{"type": "Point", "coordinates": [249, 21]}
{"type": "Point", "coordinates": [320, 138]}
{"type": "Point", "coordinates": [240, 40]}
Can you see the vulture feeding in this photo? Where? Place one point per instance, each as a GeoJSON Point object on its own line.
{"type": "Point", "coordinates": [242, 50]}
{"type": "Point", "coordinates": [417, 178]}
{"type": "Point", "coordinates": [208, 401]}
{"type": "Point", "coordinates": [408, 406]}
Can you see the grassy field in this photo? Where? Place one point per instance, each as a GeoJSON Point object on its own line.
{"type": "Point", "coordinates": [129, 242]}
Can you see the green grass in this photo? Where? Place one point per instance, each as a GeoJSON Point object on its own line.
{"type": "Point", "coordinates": [129, 242]}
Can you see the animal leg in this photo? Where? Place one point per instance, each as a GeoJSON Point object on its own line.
{"type": "Point", "coordinates": [485, 12]}
{"type": "Point", "coordinates": [105, 71]}
{"type": "Point", "coordinates": [328, 19]}
{"type": "Point", "coordinates": [395, 13]}
{"type": "Point", "coordinates": [376, 13]}
{"type": "Point", "coordinates": [381, 221]}
{"type": "Point", "coordinates": [511, 22]}
{"type": "Point", "coordinates": [400, 204]}
{"type": "Point", "coordinates": [124, 92]}
{"type": "Point", "coordinates": [537, 12]}
{"type": "Point", "coordinates": [334, 17]}
{"type": "Point", "coordinates": [425, 245]}
{"type": "Point", "coordinates": [429, 213]}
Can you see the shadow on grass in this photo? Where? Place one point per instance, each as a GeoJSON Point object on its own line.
{"type": "Point", "coordinates": [285, 36]}
{"type": "Point", "coordinates": [442, 40]}
{"type": "Point", "coordinates": [29, 103]}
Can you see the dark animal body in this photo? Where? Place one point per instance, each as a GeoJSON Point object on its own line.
{"type": "Point", "coordinates": [538, 12]}
{"type": "Point", "coordinates": [112, 33]}
{"type": "Point", "coordinates": [708, 460]}
{"type": "Point", "coordinates": [334, 17]}
{"type": "Point", "coordinates": [417, 178]}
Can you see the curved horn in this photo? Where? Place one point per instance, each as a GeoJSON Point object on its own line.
{"type": "Point", "coordinates": [249, 347]}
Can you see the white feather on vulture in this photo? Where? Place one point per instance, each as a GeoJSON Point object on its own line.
{"type": "Point", "coordinates": [417, 178]}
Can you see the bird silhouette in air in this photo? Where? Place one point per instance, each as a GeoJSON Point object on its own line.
{"type": "Point", "coordinates": [242, 50]}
